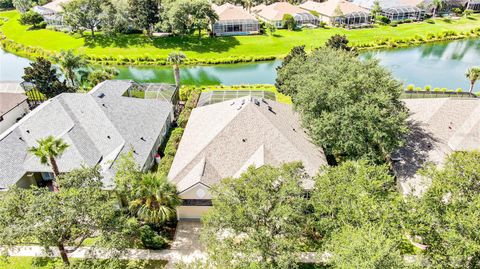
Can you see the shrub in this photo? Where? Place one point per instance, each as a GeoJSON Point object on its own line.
{"type": "Point", "coordinates": [150, 239]}
{"type": "Point", "coordinates": [288, 22]}
{"type": "Point", "coordinates": [408, 21]}
{"type": "Point", "coordinates": [468, 12]}
{"type": "Point", "coordinates": [418, 89]}
{"type": "Point", "coordinates": [428, 88]}
{"type": "Point", "coordinates": [431, 21]}
{"type": "Point", "coordinates": [447, 20]}
{"type": "Point", "coordinates": [31, 18]}
{"type": "Point", "coordinates": [382, 19]}
{"type": "Point", "coordinates": [410, 87]}
{"type": "Point", "coordinates": [457, 11]}
{"type": "Point", "coordinates": [436, 89]}
{"type": "Point", "coordinates": [459, 90]}
{"type": "Point", "coordinates": [444, 89]}
{"type": "Point", "coordinates": [393, 24]}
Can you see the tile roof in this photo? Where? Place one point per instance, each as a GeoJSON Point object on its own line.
{"type": "Point", "coordinates": [56, 5]}
{"type": "Point", "coordinates": [439, 127]}
{"type": "Point", "coordinates": [224, 139]}
{"type": "Point", "coordinates": [389, 3]}
{"type": "Point", "coordinates": [229, 12]}
{"type": "Point", "coordinates": [275, 11]}
{"type": "Point", "coordinates": [329, 8]}
{"type": "Point", "coordinates": [97, 129]}
{"type": "Point", "coordinates": [9, 101]}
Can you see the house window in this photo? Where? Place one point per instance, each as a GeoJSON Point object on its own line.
{"type": "Point", "coordinates": [47, 176]}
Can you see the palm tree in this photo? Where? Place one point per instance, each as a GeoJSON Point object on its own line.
{"type": "Point", "coordinates": [436, 5]}
{"type": "Point", "coordinates": [473, 74]}
{"type": "Point", "coordinates": [176, 59]}
{"type": "Point", "coordinates": [154, 199]}
{"type": "Point", "coordinates": [70, 62]}
{"type": "Point", "coordinates": [248, 4]}
{"type": "Point", "coordinates": [48, 150]}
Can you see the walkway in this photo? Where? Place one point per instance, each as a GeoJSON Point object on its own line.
{"type": "Point", "coordinates": [186, 247]}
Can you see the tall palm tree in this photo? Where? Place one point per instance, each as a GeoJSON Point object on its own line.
{"type": "Point", "coordinates": [247, 4]}
{"type": "Point", "coordinates": [473, 74]}
{"type": "Point", "coordinates": [47, 151]}
{"type": "Point", "coordinates": [70, 62]}
{"type": "Point", "coordinates": [437, 4]}
{"type": "Point", "coordinates": [176, 59]}
{"type": "Point", "coordinates": [154, 199]}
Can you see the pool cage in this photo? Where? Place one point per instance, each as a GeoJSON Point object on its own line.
{"type": "Point", "coordinates": [404, 13]}
{"type": "Point", "coordinates": [305, 18]}
{"type": "Point", "coordinates": [358, 18]}
{"type": "Point", "coordinates": [235, 27]}
{"type": "Point", "coordinates": [213, 97]}
{"type": "Point", "coordinates": [475, 6]}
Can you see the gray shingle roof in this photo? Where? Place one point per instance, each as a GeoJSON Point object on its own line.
{"type": "Point", "coordinates": [439, 126]}
{"type": "Point", "coordinates": [97, 130]}
{"type": "Point", "coordinates": [224, 139]}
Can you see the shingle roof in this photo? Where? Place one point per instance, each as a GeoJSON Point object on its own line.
{"type": "Point", "coordinates": [329, 8]}
{"type": "Point", "coordinates": [224, 139]}
{"type": "Point", "coordinates": [8, 101]}
{"type": "Point", "coordinates": [229, 12]}
{"type": "Point", "coordinates": [97, 130]}
{"type": "Point", "coordinates": [439, 126]}
{"type": "Point", "coordinates": [275, 11]}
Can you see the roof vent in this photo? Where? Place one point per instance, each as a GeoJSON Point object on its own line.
{"type": "Point", "coordinates": [21, 138]}
{"type": "Point", "coordinates": [28, 131]}
{"type": "Point", "coordinates": [232, 103]}
{"type": "Point", "coordinates": [108, 137]}
{"type": "Point", "coordinates": [271, 110]}
{"type": "Point", "coordinates": [101, 95]}
{"type": "Point", "coordinates": [104, 105]}
{"type": "Point", "coordinates": [143, 139]}
{"type": "Point", "coordinates": [264, 101]}
{"type": "Point", "coordinates": [257, 102]}
{"type": "Point", "coordinates": [244, 140]}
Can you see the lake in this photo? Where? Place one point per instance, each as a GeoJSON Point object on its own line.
{"type": "Point", "coordinates": [439, 65]}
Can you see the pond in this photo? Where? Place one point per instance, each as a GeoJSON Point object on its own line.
{"type": "Point", "coordinates": [439, 65]}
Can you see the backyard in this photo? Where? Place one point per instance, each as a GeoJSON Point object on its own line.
{"type": "Point", "coordinates": [130, 48]}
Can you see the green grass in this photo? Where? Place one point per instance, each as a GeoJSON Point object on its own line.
{"type": "Point", "coordinates": [137, 46]}
{"type": "Point", "coordinates": [51, 263]}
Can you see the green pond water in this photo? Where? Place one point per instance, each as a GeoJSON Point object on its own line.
{"type": "Point", "coordinates": [439, 65]}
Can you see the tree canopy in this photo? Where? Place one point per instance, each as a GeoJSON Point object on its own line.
{"type": "Point", "coordinates": [349, 106]}
{"type": "Point", "coordinates": [257, 219]}
{"type": "Point", "coordinates": [43, 75]}
{"type": "Point", "coordinates": [188, 16]}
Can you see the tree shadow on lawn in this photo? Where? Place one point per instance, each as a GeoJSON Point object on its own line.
{"type": "Point", "coordinates": [190, 43]}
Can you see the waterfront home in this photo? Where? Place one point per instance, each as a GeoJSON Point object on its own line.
{"type": "Point", "coordinates": [339, 12]}
{"type": "Point", "coordinates": [397, 10]}
{"type": "Point", "coordinates": [234, 20]}
{"type": "Point", "coordinates": [98, 126]}
{"type": "Point", "coordinates": [223, 139]}
{"type": "Point", "coordinates": [439, 126]}
{"type": "Point", "coordinates": [275, 12]}
{"type": "Point", "coordinates": [52, 12]}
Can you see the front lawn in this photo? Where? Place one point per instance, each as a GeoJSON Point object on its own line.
{"type": "Point", "coordinates": [128, 49]}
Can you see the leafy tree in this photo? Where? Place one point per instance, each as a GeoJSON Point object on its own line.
{"type": "Point", "coordinates": [144, 14]}
{"type": "Point", "coordinates": [30, 18]}
{"type": "Point", "coordinates": [288, 22]}
{"type": "Point", "coordinates": [188, 16]}
{"type": "Point", "coordinates": [357, 194]}
{"type": "Point", "coordinates": [364, 247]}
{"type": "Point", "coordinates": [48, 150]}
{"type": "Point", "coordinates": [437, 4]}
{"type": "Point", "coordinates": [376, 9]}
{"type": "Point", "coordinates": [473, 74]}
{"type": "Point", "coordinates": [154, 199]}
{"type": "Point", "coordinates": [271, 29]}
{"type": "Point", "coordinates": [339, 42]}
{"type": "Point", "coordinates": [44, 77]}
{"type": "Point", "coordinates": [350, 107]}
{"type": "Point", "coordinates": [5, 4]}
{"type": "Point", "coordinates": [446, 217]}
{"type": "Point", "coordinates": [79, 210]}
{"type": "Point", "coordinates": [22, 5]}
{"type": "Point", "coordinates": [69, 63]}
{"type": "Point", "coordinates": [176, 59]}
{"type": "Point", "coordinates": [89, 78]}
{"type": "Point", "coordinates": [297, 51]}
{"type": "Point", "coordinates": [85, 14]}
{"type": "Point", "coordinates": [257, 220]}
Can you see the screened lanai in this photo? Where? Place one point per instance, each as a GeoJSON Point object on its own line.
{"type": "Point", "coordinates": [235, 27]}
{"type": "Point", "coordinates": [305, 18]}
{"type": "Point", "coordinates": [404, 13]}
{"type": "Point", "coordinates": [213, 97]}
{"type": "Point", "coordinates": [355, 18]}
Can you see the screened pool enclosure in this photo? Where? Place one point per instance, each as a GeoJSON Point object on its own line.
{"type": "Point", "coordinates": [404, 13]}
{"type": "Point", "coordinates": [213, 97]}
{"type": "Point", "coordinates": [354, 19]}
{"type": "Point", "coordinates": [235, 27]}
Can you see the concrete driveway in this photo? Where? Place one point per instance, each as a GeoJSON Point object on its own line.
{"type": "Point", "coordinates": [186, 243]}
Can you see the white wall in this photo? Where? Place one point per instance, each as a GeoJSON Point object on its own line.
{"type": "Point", "coordinates": [10, 118]}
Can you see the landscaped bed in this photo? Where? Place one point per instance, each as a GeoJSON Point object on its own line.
{"type": "Point", "coordinates": [137, 49]}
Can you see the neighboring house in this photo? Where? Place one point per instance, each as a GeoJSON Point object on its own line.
{"type": "Point", "coordinates": [13, 106]}
{"type": "Point", "coordinates": [397, 10]}
{"type": "Point", "coordinates": [274, 13]}
{"type": "Point", "coordinates": [52, 12]}
{"type": "Point", "coordinates": [439, 127]}
{"type": "Point", "coordinates": [339, 12]}
{"type": "Point", "coordinates": [234, 20]}
{"type": "Point", "coordinates": [224, 139]}
{"type": "Point", "coordinates": [98, 126]}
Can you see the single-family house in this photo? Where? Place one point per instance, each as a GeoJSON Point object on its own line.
{"type": "Point", "coordinates": [98, 126]}
{"type": "Point", "coordinates": [234, 20]}
{"type": "Point", "coordinates": [52, 12]}
{"type": "Point", "coordinates": [397, 10]}
{"type": "Point", "coordinates": [339, 12]}
{"type": "Point", "coordinates": [274, 13]}
{"type": "Point", "coordinates": [223, 139]}
{"type": "Point", "coordinates": [439, 126]}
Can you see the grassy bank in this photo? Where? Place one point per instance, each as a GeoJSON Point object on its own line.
{"type": "Point", "coordinates": [138, 49]}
